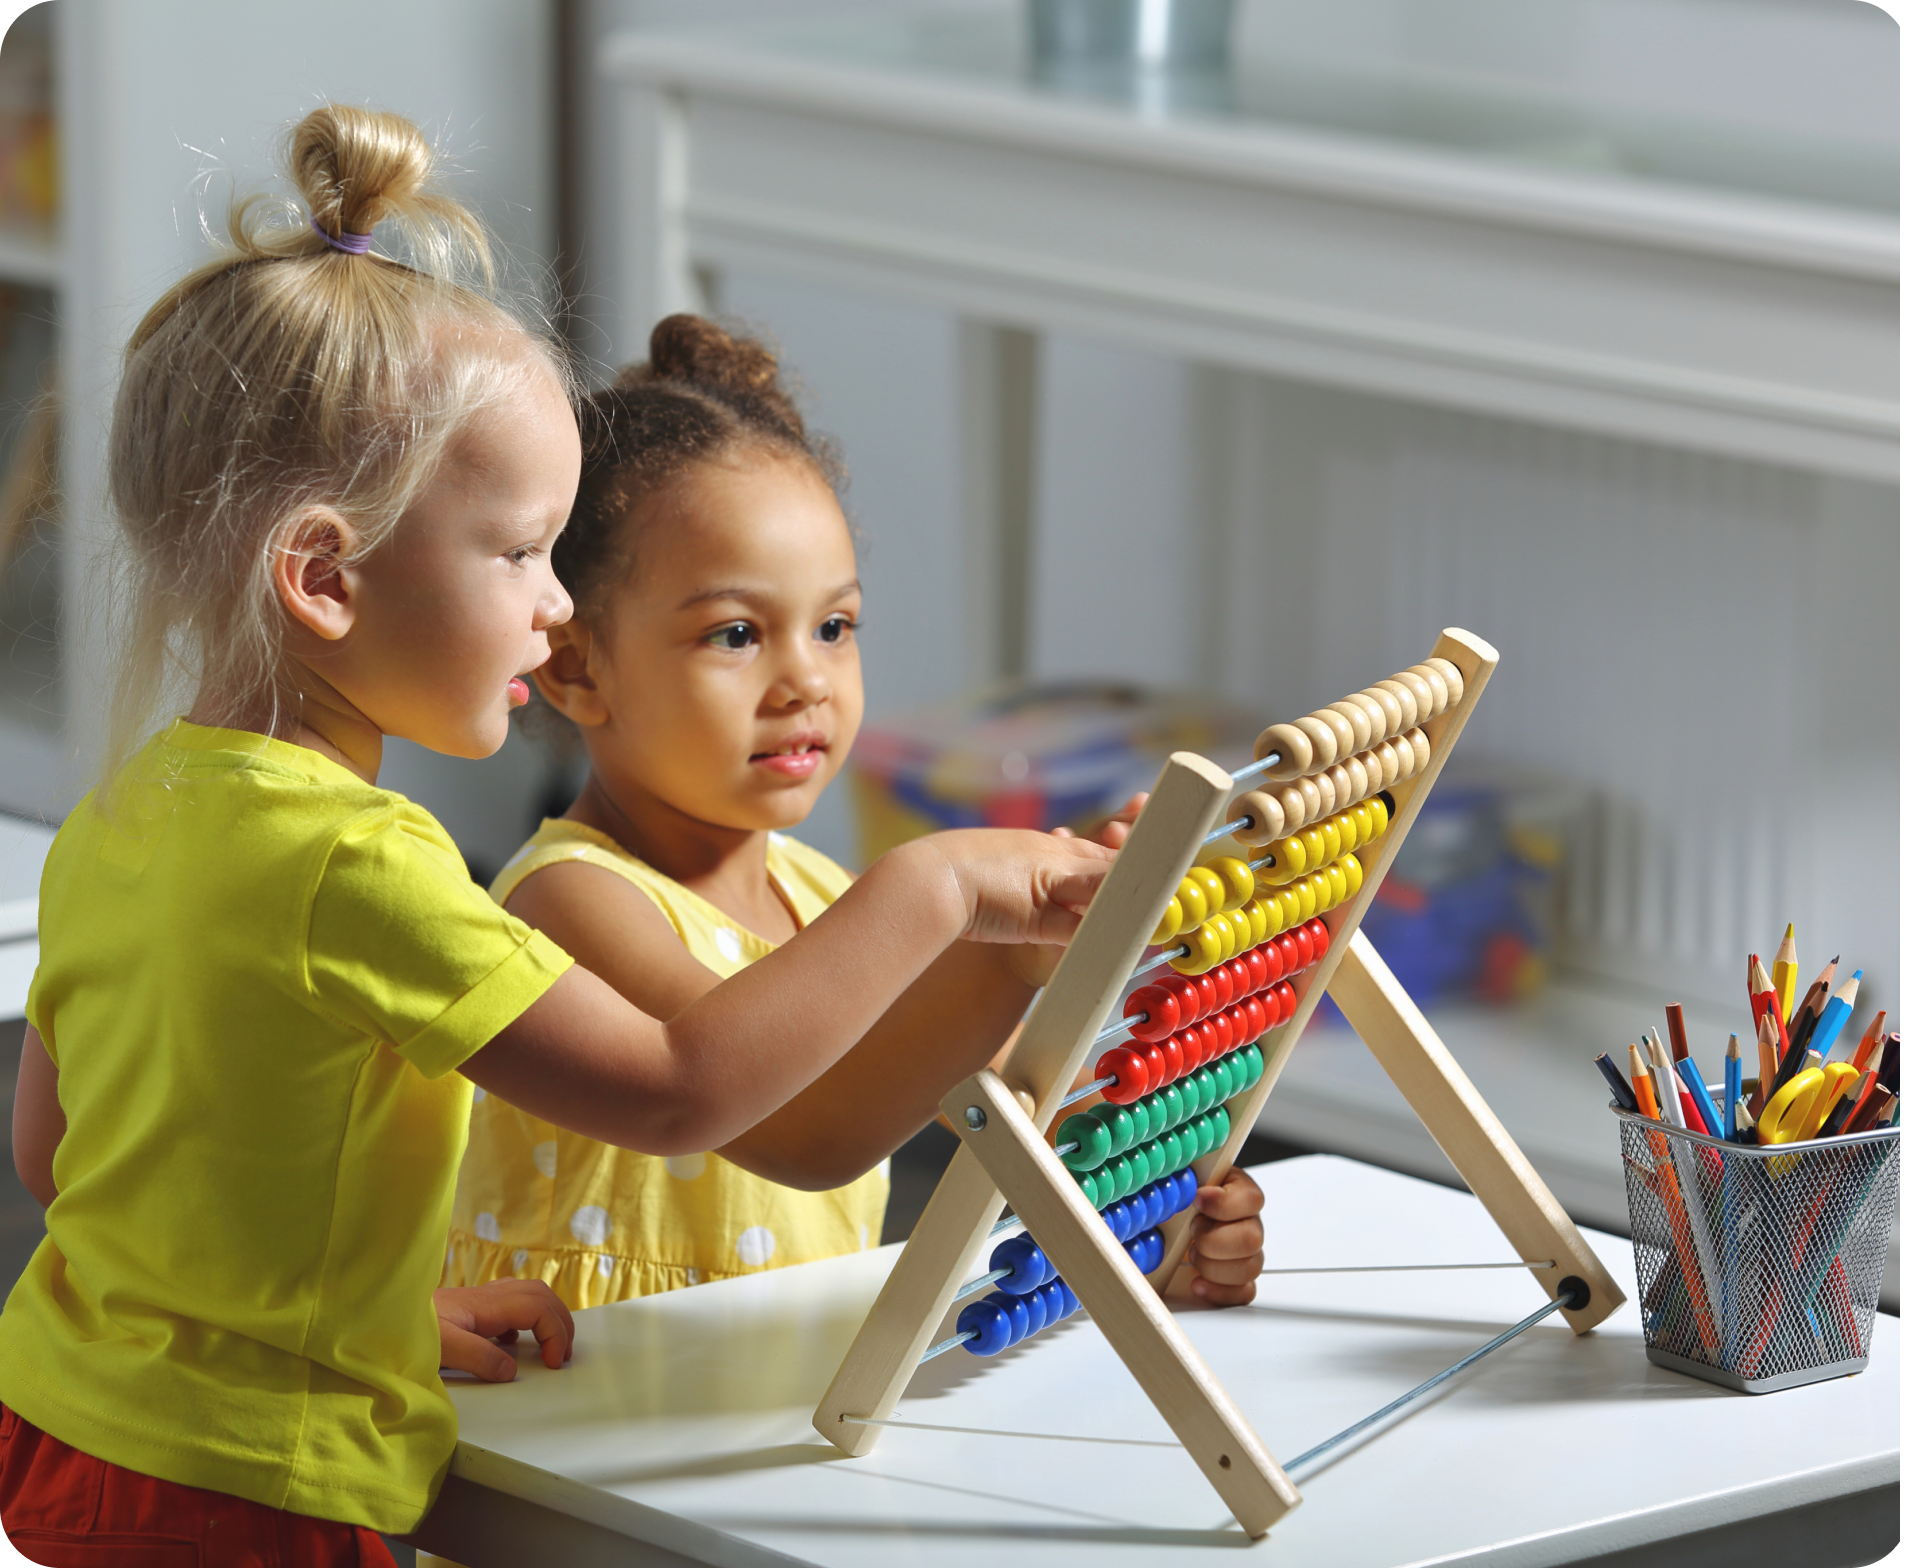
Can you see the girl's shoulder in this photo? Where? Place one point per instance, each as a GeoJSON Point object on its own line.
{"type": "Point", "coordinates": [809, 878]}
{"type": "Point", "coordinates": [558, 840]}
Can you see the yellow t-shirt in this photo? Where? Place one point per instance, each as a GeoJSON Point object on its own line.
{"type": "Point", "coordinates": [257, 980]}
{"type": "Point", "coordinates": [604, 1224]}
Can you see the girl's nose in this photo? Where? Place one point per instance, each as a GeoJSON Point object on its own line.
{"type": "Point", "coordinates": [553, 606]}
{"type": "Point", "coordinates": [803, 683]}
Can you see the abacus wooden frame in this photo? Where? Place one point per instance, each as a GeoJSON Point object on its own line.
{"type": "Point", "coordinates": [1005, 1155]}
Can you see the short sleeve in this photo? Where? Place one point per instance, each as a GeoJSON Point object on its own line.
{"type": "Point", "coordinates": [404, 947]}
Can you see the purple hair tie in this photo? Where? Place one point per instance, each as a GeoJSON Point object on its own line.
{"type": "Point", "coordinates": [350, 244]}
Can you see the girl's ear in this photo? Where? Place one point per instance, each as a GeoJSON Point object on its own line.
{"type": "Point", "coordinates": [309, 574]}
{"type": "Point", "coordinates": [564, 678]}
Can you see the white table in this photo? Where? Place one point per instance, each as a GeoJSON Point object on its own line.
{"type": "Point", "coordinates": [680, 1431]}
{"type": "Point", "coordinates": [23, 847]}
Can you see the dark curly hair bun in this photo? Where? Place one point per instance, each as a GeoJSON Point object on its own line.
{"type": "Point", "coordinates": [704, 395]}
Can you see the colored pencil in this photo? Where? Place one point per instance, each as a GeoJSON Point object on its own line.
{"type": "Point", "coordinates": [1664, 1082]}
{"type": "Point", "coordinates": [1808, 1011]}
{"type": "Point", "coordinates": [1868, 1048]}
{"type": "Point", "coordinates": [1641, 1087]}
{"type": "Point", "coordinates": [1733, 1075]}
{"type": "Point", "coordinates": [1836, 1014]}
{"type": "Point", "coordinates": [1747, 1127]}
{"type": "Point", "coordinates": [1675, 1026]}
{"type": "Point", "coordinates": [1887, 1061]}
{"type": "Point", "coordinates": [1621, 1091]}
{"type": "Point", "coordinates": [1814, 997]}
{"type": "Point", "coordinates": [1784, 971]}
{"type": "Point", "coordinates": [1767, 1059]}
{"type": "Point", "coordinates": [1763, 997]}
{"type": "Point", "coordinates": [1700, 1097]}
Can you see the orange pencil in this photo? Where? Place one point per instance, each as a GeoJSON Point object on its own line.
{"type": "Point", "coordinates": [1868, 1046]}
{"type": "Point", "coordinates": [1641, 1087]}
{"type": "Point", "coordinates": [1784, 971]}
{"type": "Point", "coordinates": [1767, 1060]}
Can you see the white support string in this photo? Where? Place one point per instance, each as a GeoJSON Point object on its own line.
{"type": "Point", "coordinates": [1413, 1268]}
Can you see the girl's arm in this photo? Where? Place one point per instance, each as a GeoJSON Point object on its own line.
{"type": "Point", "coordinates": [38, 1122]}
{"type": "Point", "coordinates": [583, 1057]}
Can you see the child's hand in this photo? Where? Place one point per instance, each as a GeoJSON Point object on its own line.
{"type": "Point", "coordinates": [475, 1322]}
{"type": "Point", "coordinates": [1112, 831]}
{"type": "Point", "coordinates": [1019, 885]}
{"type": "Point", "coordinates": [1225, 1243]}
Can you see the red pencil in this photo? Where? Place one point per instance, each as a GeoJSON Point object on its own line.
{"type": "Point", "coordinates": [1764, 1000]}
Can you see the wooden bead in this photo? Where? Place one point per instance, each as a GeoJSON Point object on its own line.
{"type": "Point", "coordinates": [1455, 682]}
{"type": "Point", "coordinates": [1407, 763]}
{"type": "Point", "coordinates": [1436, 680]}
{"type": "Point", "coordinates": [1382, 767]}
{"type": "Point", "coordinates": [1293, 804]}
{"type": "Point", "coordinates": [1326, 745]}
{"type": "Point", "coordinates": [1294, 747]}
{"type": "Point", "coordinates": [1359, 719]}
{"type": "Point", "coordinates": [1422, 691]}
{"type": "Point", "coordinates": [1342, 728]}
{"type": "Point", "coordinates": [1269, 818]}
{"type": "Point", "coordinates": [1389, 705]}
{"type": "Point", "coordinates": [1375, 714]}
{"type": "Point", "coordinates": [1422, 748]}
{"type": "Point", "coordinates": [1356, 775]}
{"type": "Point", "coordinates": [1343, 792]}
{"type": "Point", "coordinates": [1310, 793]}
{"type": "Point", "coordinates": [1408, 701]}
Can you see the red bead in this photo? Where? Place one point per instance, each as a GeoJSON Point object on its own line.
{"type": "Point", "coordinates": [1156, 1066]}
{"type": "Point", "coordinates": [1128, 1068]}
{"type": "Point", "coordinates": [1176, 1059]}
{"type": "Point", "coordinates": [1259, 1020]}
{"type": "Point", "coordinates": [1242, 1022]}
{"type": "Point", "coordinates": [1190, 1047]}
{"type": "Point", "coordinates": [1210, 1045]}
{"type": "Point", "coordinates": [1288, 1003]}
{"type": "Point", "coordinates": [1239, 979]}
{"type": "Point", "coordinates": [1223, 979]}
{"type": "Point", "coordinates": [1186, 997]}
{"type": "Point", "coordinates": [1289, 946]}
{"type": "Point", "coordinates": [1209, 997]}
{"type": "Point", "coordinates": [1223, 1027]}
{"type": "Point", "coordinates": [1163, 1012]}
{"type": "Point", "coordinates": [1258, 971]}
{"type": "Point", "coordinates": [1322, 938]}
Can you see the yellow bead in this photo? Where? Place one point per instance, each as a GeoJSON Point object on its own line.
{"type": "Point", "coordinates": [1289, 858]}
{"type": "Point", "coordinates": [1192, 899]}
{"type": "Point", "coordinates": [1237, 877]}
{"type": "Point", "coordinates": [1314, 842]}
{"type": "Point", "coordinates": [1336, 880]}
{"type": "Point", "coordinates": [1212, 887]}
{"type": "Point", "coordinates": [1363, 823]}
{"type": "Point", "coordinates": [1355, 874]}
{"type": "Point", "coordinates": [1256, 913]}
{"type": "Point", "coordinates": [1322, 891]}
{"type": "Point", "coordinates": [1243, 931]}
{"type": "Point", "coordinates": [1169, 928]}
{"type": "Point", "coordinates": [1290, 915]}
{"type": "Point", "coordinates": [1382, 818]}
{"type": "Point", "coordinates": [1330, 832]}
{"type": "Point", "coordinates": [1306, 905]}
{"type": "Point", "coordinates": [1212, 940]}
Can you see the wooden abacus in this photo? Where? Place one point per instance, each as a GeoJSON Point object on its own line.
{"type": "Point", "coordinates": [1387, 742]}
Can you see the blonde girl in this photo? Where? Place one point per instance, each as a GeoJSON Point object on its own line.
{"type": "Point", "coordinates": [266, 987]}
{"type": "Point", "coordinates": [712, 669]}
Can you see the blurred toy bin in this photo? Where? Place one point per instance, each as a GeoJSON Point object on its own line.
{"type": "Point", "coordinates": [1030, 756]}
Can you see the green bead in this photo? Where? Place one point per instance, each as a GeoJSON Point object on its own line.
{"type": "Point", "coordinates": [1120, 1176]}
{"type": "Point", "coordinates": [1156, 1160]}
{"type": "Point", "coordinates": [1085, 1181]}
{"type": "Point", "coordinates": [1119, 1121]}
{"type": "Point", "coordinates": [1223, 1125]}
{"type": "Point", "coordinates": [1175, 1099]}
{"type": "Point", "coordinates": [1207, 1090]}
{"type": "Point", "coordinates": [1226, 1075]}
{"type": "Point", "coordinates": [1156, 1115]}
{"type": "Point", "coordinates": [1180, 1148]}
{"type": "Point", "coordinates": [1210, 1131]}
{"type": "Point", "coordinates": [1257, 1062]}
{"type": "Point", "coordinates": [1092, 1136]}
{"type": "Point", "coordinates": [1106, 1192]}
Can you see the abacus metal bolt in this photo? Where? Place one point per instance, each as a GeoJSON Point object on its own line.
{"type": "Point", "coordinates": [976, 1118]}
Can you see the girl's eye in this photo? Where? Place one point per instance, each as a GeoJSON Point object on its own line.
{"type": "Point", "coordinates": [522, 554]}
{"type": "Point", "coordinates": [736, 635]}
{"type": "Point", "coordinates": [835, 628]}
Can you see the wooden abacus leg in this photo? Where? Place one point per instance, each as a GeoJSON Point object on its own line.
{"type": "Point", "coordinates": [1461, 1122]}
{"type": "Point", "coordinates": [1122, 1303]}
{"type": "Point", "coordinates": [948, 1239]}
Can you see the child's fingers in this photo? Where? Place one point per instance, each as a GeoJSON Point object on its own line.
{"type": "Point", "coordinates": [1232, 1239]}
{"type": "Point", "coordinates": [1219, 1295]}
{"type": "Point", "coordinates": [462, 1351]}
{"type": "Point", "coordinates": [1237, 1196]}
{"type": "Point", "coordinates": [510, 1306]}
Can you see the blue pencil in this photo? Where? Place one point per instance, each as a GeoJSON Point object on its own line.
{"type": "Point", "coordinates": [1836, 1015]}
{"type": "Point", "coordinates": [1733, 1080]}
{"type": "Point", "coordinates": [1694, 1081]}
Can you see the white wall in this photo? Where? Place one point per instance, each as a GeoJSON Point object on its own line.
{"type": "Point", "coordinates": [154, 98]}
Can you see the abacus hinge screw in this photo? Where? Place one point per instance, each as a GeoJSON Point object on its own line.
{"type": "Point", "coordinates": [976, 1118]}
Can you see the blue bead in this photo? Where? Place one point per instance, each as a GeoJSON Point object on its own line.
{"type": "Point", "coordinates": [1153, 1247]}
{"type": "Point", "coordinates": [1156, 1204]}
{"type": "Point", "coordinates": [1189, 1186]}
{"type": "Point", "coordinates": [1037, 1306]}
{"type": "Point", "coordinates": [993, 1329]}
{"type": "Point", "coordinates": [1017, 1311]}
{"type": "Point", "coordinates": [1028, 1262]}
{"type": "Point", "coordinates": [1124, 1219]}
{"type": "Point", "coordinates": [1054, 1301]}
{"type": "Point", "coordinates": [1070, 1302]}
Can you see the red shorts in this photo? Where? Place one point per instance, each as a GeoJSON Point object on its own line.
{"type": "Point", "coordinates": [69, 1510]}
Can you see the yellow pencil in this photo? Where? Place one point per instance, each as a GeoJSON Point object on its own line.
{"type": "Point", "coordinates": [1784, 971]}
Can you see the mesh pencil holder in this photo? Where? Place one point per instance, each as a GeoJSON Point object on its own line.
{"type": "Point", "coordinates": [1758, 1267]}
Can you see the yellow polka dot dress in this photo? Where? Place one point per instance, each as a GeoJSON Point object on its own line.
{"type": "Point", "coordinates": [603, 1224]}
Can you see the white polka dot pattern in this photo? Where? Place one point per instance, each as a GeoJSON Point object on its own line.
{"type": "Point", "coordinates": [728, 943]}
{"type": "Point", "coordinates": [486, 1227]}
{"type": "Point", "coordinates": [591, 1225]}
{"type": "Point", "coordinates": [544, 1157]}
{"type": "Point", "coordinates": [756, 1246]}
{"type": "Point", "coordinates": [518, 1259]}
{"type": "Point", "coordinates": [686, 1167]}
{"type": "Point", "coordinates": [603, 1266]}
{"type": "Point", "coordinates": [478, 1096]}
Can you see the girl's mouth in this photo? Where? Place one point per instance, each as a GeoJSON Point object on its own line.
{"type": "Point", "coordinates": [797, 758]}
{"type": "Point", "coordinates": [520, 693]}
